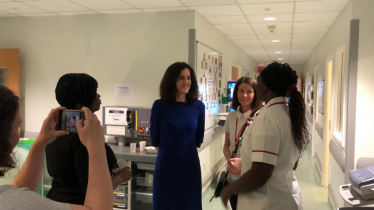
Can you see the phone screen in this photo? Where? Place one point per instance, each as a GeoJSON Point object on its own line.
{"type": "Point", "coordinates": [69, 118]}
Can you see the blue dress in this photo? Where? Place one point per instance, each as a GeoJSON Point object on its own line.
{"type": "Point", "coordinates": [177, 129]}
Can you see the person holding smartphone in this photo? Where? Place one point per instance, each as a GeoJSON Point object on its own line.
{"type": "Point", "coordinates": [246, 105]}
{"type": "Point", "coordinates": [22, 193]}
{"type": "Point", "coordinates": [67, 158]}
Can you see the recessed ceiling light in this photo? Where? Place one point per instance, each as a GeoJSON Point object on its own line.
{"type": "Point", "coordinates": [270, 18]}
{"type": "Point", "coordinates": [278, 52]}
{"type": "Point", "coordinates": [280, 59]}
{"type": "Point", "coordinates": [275, 40]}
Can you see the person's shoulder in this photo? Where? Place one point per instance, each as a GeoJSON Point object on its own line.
{"type": "Point", "coordinates": [199, 104]}
{"type": "Point", "coordinates": [158, 103]}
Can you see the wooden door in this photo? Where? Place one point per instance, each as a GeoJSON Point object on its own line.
{"type": "Point", "coordinates": [10, 69]}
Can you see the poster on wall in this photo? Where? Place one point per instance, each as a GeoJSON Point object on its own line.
{"type": "Point", "coordinates": [209, 75]}
{"type": "Point", "coordinates": [320, 102]}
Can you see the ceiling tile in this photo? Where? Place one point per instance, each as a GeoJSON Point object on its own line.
{"type": "Point", "coordinates": [275, 8]}
{"type": "Point", "coordinates": [165, 9]}
{"type": "Point", "coordinates": [281, 40]}
{"type": "Point", "coordinates": [260, 18]}
{"type": "Point", "coordinates": [119, 11]}
{"type": "Point", "coordinates": [244, 45]}
{"type": "Point", "coordinates": [315, 16]}
{"type": "Point", "coordinates": [313, 24]}
{"type": "Point", "coordinates": [276, 45]}
{"type": "Point", "coordinates": [218, 10]}
{"type": "Point", "coordinates": [15, 7]}
{"type": "Point", "coordinates": [78, 13]}
{"type": "Point", "coordinates": [274, 36]}
{"type": "Point", "coordinates": [302, 36]}
{"type": "Point", "coordinates": [143, 4]}
{"type": "Point", "coordinates": [39, 14]}
{"type": "Point", "coordinates": [277, 31]}
{"type": "Point", "coordinates": [240, 32]}
{"type": "Point", "coordinates": [243, 37]}
{"type": "Point", "coordinates": [190, 3]}
{"type": "Point", "coordinates": [310, 30]}
{"type": "Point", "coordinates": [265, 25]}
{"type": "Point", "coordinates": [261, 1]}
{"type": "Point", "coordinates": [233, 27]}
{"type": "Point", "coordinates": [103, 5]}
{"type": "Point", "coordinates": [320, 6]}
{"type": "Point", "coordinates": [242, 41]}
{"type": "Point", "coordinates": [305, 40]}
{"type": "Point", "coordinates": [226, 19]}
{"type": "Point", "coordinates": [56, 6]}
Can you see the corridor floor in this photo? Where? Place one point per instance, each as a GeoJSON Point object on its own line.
{"type": "Point", "coordinates": [314, 196]}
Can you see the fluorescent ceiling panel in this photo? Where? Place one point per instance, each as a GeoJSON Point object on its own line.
{"type": "Point", "coordinates": [218, 10]}
{"type": "Point", "coordinates": [226, 19]}
{"type": "Point", "coordinates": [275, 8]}
{"type": "Point", "coordinates": [260, 18]}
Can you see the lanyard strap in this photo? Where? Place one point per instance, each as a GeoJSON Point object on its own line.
{"type": "Point", "coordinates": [236, 127]}
{"type": "Point", "coordinates": [251, 114]}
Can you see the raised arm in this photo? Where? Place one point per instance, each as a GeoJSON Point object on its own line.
{"type": "Point", "coordinates": [99, 193]}
{"type": "Point", "coordinates": [30, 175]}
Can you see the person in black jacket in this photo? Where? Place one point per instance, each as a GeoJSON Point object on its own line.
{"type": "Point", "coordinates": [67, 157]}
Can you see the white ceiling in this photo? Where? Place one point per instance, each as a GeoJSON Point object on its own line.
{"type": "Point", "coordinates": [300, 24]}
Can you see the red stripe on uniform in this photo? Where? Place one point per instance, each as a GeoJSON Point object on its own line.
{"type": "Point", "coordinates": [265, 152]}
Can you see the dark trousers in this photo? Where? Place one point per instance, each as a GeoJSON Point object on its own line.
{"type": "Point", "coordinates": [233, 201]}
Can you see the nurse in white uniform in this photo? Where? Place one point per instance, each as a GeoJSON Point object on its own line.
{"type": "Point", "coordinates": [246, 105]}
{"type": "Point", "coordinates": [272, 145]}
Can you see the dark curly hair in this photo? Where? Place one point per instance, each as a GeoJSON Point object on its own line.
{"type": "Point", "coordinates": [168, 89]}
{"type": "Point", "coordinates": [256, 104]}
{"type": "Point", "coordinates": [9, 105]}
{"type": "Point", "coordinates": [76, 88]}
{"type": "Point", "coordinates": [282, 79]}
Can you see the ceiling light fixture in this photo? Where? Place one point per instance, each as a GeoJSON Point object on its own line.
{"type": "Point", "coordinates": [278, 52]}
{"type": "Point", "coordinates": [270, 18]}
{"type": "Point", "coordinates": [280, 59]}
{"type": "Point", "coordinates": [275, 40]}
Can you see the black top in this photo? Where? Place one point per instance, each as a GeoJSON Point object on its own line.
{"type": "Point", "coordinates": [67, 164]}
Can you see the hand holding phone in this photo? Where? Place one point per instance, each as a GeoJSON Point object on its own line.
{"type": "Point", "coordinates": [68, 119]}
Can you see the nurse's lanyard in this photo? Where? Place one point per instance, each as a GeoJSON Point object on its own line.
{"type": "Point", "coordinates": [236, 126]}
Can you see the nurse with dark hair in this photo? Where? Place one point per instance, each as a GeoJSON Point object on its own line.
{"type": "Point", "coordinates": [67, 157]}
{"type": "Point", "coordinates": [272, 145]}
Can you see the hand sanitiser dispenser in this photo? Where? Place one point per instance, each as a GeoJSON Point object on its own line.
{"type": "Point", "coordinates": [362, 181]}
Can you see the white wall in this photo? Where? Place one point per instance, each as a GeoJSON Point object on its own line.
{"type": "Point", "coordinates": [337, 35]}
{"type": "Point", "coordinates": [299, 68]}
{"type": "Point", "coordinates": [131, 48]}
{"type": "Point", "coordinates": [364, 144]}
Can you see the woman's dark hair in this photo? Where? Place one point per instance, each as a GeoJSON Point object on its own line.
{"type": "Point", "coordinates": [282, 79]}
{"type": "Point", "coordinates": [168, 89]}
{"type": "Point", "coordinates": [256, 104]}
{"type": "Point", "coordinates": [75, 89]}
{"type": "Point", "coordinates": [9, 105]}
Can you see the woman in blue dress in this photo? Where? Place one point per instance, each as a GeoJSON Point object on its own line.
{"type": "Point", "coordinates": [177, 130]}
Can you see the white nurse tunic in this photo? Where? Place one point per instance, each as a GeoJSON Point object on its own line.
{"type": "Point", "coordinates": [269, 140]}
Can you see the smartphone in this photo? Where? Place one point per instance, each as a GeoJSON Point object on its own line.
{"type": "Point", "coordinates": [68, 119]}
